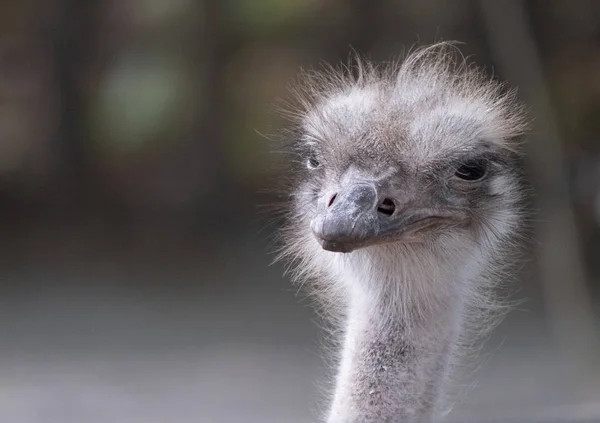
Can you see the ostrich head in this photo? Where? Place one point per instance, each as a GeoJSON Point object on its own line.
{"type": "Point", "coordinates": [421, 154]}
{"type": "Point", "coordinates": [404, 205]}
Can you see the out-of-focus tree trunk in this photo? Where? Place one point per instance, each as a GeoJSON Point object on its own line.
{"type": "Point", "coordinates": [72, 47]}
{"type": "Point", "coordinates": [560, 261]}
{"type": "Point", "coordinates": [216, 49]}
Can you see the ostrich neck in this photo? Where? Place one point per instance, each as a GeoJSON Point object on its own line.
{"type": "Point", "coordinates": [399, 332]}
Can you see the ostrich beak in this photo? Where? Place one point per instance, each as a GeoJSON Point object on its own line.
{"type": "Point", "coordinates": [358, 216]}
{"type": "Point", "coordinates": [349, 218]}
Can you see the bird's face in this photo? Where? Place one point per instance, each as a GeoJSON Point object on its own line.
{"type": "Point", "coordinates": [379, 170]}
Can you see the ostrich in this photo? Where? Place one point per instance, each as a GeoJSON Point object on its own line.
{"type": "Point", "coordinates": [404, 209]}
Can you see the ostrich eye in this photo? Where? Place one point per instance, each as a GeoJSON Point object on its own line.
{"type": "Point", "coordinates": [471, 171]}
{"type": "Point", "coordinates": [312, 163]}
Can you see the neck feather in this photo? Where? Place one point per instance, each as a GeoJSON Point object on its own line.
{"type": "Point", "coordinates": [403, 318]}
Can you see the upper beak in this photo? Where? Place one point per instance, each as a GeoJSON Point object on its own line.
{"type": "Point", "coordinates": [355, 217]}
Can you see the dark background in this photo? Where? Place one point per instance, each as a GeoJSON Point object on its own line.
{"type": "Point", "coordinates": [135, 283]}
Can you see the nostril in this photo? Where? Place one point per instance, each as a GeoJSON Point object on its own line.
{"type": "Point", "coordinates": [386, 207]}
{"type": "Point", "coordinates": [332, 200]}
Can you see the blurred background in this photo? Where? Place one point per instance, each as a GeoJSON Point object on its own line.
{"type": "Point", "coordinates": [135, 277]}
